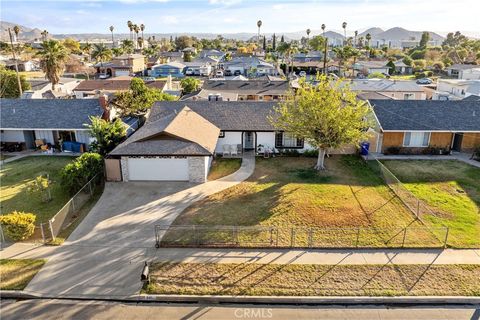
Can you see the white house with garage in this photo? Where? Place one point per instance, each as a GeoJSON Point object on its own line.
{"type": "Point", "coordinates": [180, 138]}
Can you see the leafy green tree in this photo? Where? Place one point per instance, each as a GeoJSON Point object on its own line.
{"type": "Point", "coordinates": [183, 42]}
{"type": "Point", "coordinates": [101, 53]}
{"type": "Point", "coordinates": [41, 186]}
{"type": "Point", "coordinates": [9, 85]}
{"type": "Point", "coordinates": [189, 85]}
{"type": "Point", "coordinates": [391, 67]}
{"type": "Point", "coordinates": [72, 45]}
{"type": "Point", "coordinates": [18, 225]}
{"type": "Point", "coordinates": [53, 56]}
{"type": "Point", "coordinates": [424, 40]}
{"type": "Point", "coordinates": [274, 42]}
{"type": "Point", "coordinates": [343, 54]}
{"type": "Point", "coordinates": [78, 172]}
{"type": "Point", "coordinates": [407, 60]}
{"type": "Point", "coordinates": [317, 43]}
{"type": "Point", "coordinates": [127, 46]}
{"type": "Point", "coordinates": [138, 99]}
{"type": "Point", "coordinates": [288, 50]}
{"type": "Point", "coordinates": [327, 115]}
{"type": "Point", "coordinates": [107, 135]}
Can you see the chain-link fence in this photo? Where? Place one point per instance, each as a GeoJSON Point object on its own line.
{"type": "Point", "coordinates": [299, 237]}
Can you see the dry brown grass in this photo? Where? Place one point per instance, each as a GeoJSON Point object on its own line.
{"type": "Point", "coordinates": [322, 280]}
{"type": "Point", "coordinates": [16, 274]}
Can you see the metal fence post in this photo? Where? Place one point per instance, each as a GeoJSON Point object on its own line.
{"type": "Point", "coordinates": [43, 232]}
{"type": "Point", "coordinates": [358, 236]}
{"type": "Point", "coordinates": [73, 203]}
{"type": "Point", "coordinates": [90, 187]}
{"type": "Point", "coordinates": [446, 238]}
{"type": "Point", "coordinates": [51, 229]}
{"type": "Point", "coordinates": [404, 236]}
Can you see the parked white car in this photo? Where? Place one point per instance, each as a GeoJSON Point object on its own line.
{"type": "Point", "coordinates": [219, 74]}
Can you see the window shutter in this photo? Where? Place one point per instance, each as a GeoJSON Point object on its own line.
{"type": "Point", "coordinates": [406, 138]}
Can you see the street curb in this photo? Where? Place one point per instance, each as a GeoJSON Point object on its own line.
{"type": "Point", "coordinates": [278, 300]}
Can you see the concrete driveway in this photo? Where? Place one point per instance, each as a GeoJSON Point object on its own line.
{"type": "Point", "coordinates": [105, 254]}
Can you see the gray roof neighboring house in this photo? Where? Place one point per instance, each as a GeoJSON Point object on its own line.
{"type": "Point", "coordinates": [458, 66]}
{"type": "Point", "coordinates": [427, 115]}
{"type": "Point", "coordinates": [226, 115]}
{"type": "Point", "coordinates": [385, 85]}
{"type": "Point", "coordinates": [48, 113]}
{"type": "Point", "coordinates": [251, 87]}
{"type": "Point", "coordinates": [472, 97]}
{"type": "Point", "coordinates": [371, 64]}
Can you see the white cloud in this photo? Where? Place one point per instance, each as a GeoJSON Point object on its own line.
{"type": "Point", "coordinates": [225, 2]}
{"type": "Point", "coordinates": [169, 20]}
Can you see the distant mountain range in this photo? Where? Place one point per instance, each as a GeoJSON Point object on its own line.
{"type": "Point", "coordinates": [393, 34]}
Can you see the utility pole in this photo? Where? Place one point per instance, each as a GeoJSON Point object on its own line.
{"type": "Point", "coordinates": [325, 56]}
{"type": "Point", "coordinates": [15, 60]}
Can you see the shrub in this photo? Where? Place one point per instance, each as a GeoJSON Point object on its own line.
{"type": "Point", "coordinates": [376, 75]}
{"type": "Point", "coordinates": [476, 152]}
{"type": "Point", "coordinates": [18, 225]}
{"type": "Point", "coordinates": [78, 172]}
{"type": "Point", "coordinates": [291, 152]}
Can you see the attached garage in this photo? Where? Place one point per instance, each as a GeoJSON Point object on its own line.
{"type": "Point", "coordinates": [157, 169]}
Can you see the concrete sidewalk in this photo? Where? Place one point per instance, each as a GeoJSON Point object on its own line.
{"type": "Point", "coordinates": [262, 256]}
{"type": "Point", "coordinates": [459, 156]}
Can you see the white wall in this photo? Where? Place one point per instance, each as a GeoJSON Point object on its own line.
{"type": "Point", "coordinates": [46, 135]}
{"type": "Point", "coordinates": [230, 138]}
{"type": "Point", "coordinates": [469, 74]}
{"type": "Point", "coordinates": [267, 139]}
{"type": "Point", "coordinates": [12, 136]}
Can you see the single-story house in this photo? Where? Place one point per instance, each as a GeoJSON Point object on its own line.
{"type": "Point", "coordinates": [395, 89]}
{"type": "Point", "coordinates": [369, 67]}
{"type": "Point", "coordinates": [307, 57]}
{"type": "Point", "coordinates": [124, 65]}
{"type": "Point", "coordinates": [250, 66]}
{"type": "Point", "coordinates": [426, 126]}
{"type": "Point", "coordinates": [470, 74]}
{"type": "Point", "coordinates": [171, 56]}
{"type": "Point", "coordinates": [213, 54]}
{"type": "Point", "coordinates": [28, 65]}
{"type": "Point", "coordinates": [456, 70]}
{"type": "Point", "coordinates": [200, 67]}
{"type": "Point", "coordinates": [180, 138]}
{"type": "Point", "coordinates": [452, 89]}
{"type": "Point", "coordinates": [94, 88]}
{"type": "Point", "coordinates": [174, 69]}
{"type": "Point", "coordinates": [402, 68]}
{"type": "Point", "coordinates": [257, 90]}
{"type": "Point", "coordinates": [41, 88]}
{"type": "Point", "coordinates": [52, 120]}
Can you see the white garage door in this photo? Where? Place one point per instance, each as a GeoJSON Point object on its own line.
{"type": "Point", "coordinates": [158, 169]}
{"type": "Point", "coordinates": [119, 73]}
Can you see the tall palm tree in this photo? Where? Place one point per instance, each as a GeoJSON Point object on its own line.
{"type": "Point", "coordinates": [111, 30]}
{"type": "Point", "coordinates": [308, 35]}
{"type": "Point", "coordinates": [16, 30]}
{"type": "Point", "coordinates": [53, 56]}
{"type": "Point", "coordinates": [87, 48]}
{"type": "Point", "coordinates": [355, 39]}
{"type": "Point", "coordinates": [19, 83]}
{"type": "Point", "coordinates": [343, 54]}
{"type": "Point", "coordinates": [44, 34]}
{"type": "Point", "coordinates": [142, 27]}
{"type": "Point", "coordinates": [368, 37]}
{"type": "Point", "coordinates": [259, 25]}
{"type": "Point", "coordinates": [344, 26]}
{"type": "Point", "coordinates": [323, 29]}
{"type": "Point", "coordinates": [136, 29]}
{"type": "Point", "coordinates": [130, 27]}
{"type": "Point", "coordinates": [101, 54]}
{"type": "Point", "coordinates": [288, 50]}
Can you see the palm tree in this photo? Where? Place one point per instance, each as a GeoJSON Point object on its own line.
{"type": "Point", "coordinates": [44, 34]}
{"type": "Point", "coordinates": [53, 56]}
{"type": "Point", "coordinates": [308, 33]}
{"type": "Point", "coordinates": [142, 27]}
{"type": "Point", "coordinates": [355, 41]}
{"type": "Point", "coordinates": [87, 48]}
{"type": "Point", "coordinates": [136, 29]}
{"type": "Point", "coordinates": [16, 29]}
{"type": "Point", "coordinates": [111, 30]}
{"type": "Point", "coordinates": [130, 27]}
{"type": "Point", "coordinates": [344, 26]}
{"type": "Point", "coordinates": [368, 36]}
{"type": "Point", "coordinates": [127, 46]}
{"type": "Point", "coordinates": [19, 83]}
{"type": "Point", "coordinates": [323, 29]}
{"type": "Point", "coordinates": [259, 24]}
{"type": "Point", "coordinates": [342, 53]}
{"type": "Point", "coordinates": [101, 54]}
{"type": "Point", "coordinates": [288, 50]}
{"type": "Point", "coordinates": [117, 51]}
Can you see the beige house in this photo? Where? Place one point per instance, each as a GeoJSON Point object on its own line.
{"type": "Point", "coordinates": [124, 65]}
{"type": "Point", "coordinates": [394, 89]}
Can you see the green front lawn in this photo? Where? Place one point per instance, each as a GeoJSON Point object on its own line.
{"type": "Point", "coordinates": [314, 280]}
{"type": "Point", "coordinates": [222, 167]}
{"type": "Point", "coordinates": [17, 273]}
{"type": "Point", "coordinates": [14, 177]}
{"type": "Point", "coordinates": [4, 156]}
{"type": "Point", "coordinates": [451, 189]}
{"type": "Point", "coordinates": [287, 192]}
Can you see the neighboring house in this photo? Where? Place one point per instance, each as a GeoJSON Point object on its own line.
{"type": "Point", "coordinates": [42, 88]}
{"type": "Point", "coordinates": [95, 88]}
{"type": "Point", "coordinates": [53, 121]}
{"type": "Point", "coordinates": [124, 65]}
{"type": "Point", "coordinates": [402, 68]}
{"type": "Point", "coordinates": [257, 90]}
{"type": "Point", "coordinates": [311, 56]}
{"type": "Point", "coordinates": [456, 70]}
{"type": "Point", "coordinates": [250, 66]}
{"type": "Point", "coordinates": [171, 56]}
{"type": "Point", "coordinates": [395, 89]}
{"type": "Point", "coordinates": [179, 139]}
{"type": "Point", "coordinates": [449, 89]}
{"type": "Point", "coordinates": [416, 127]}
{"type": "Point", "coordinates": [369, 67]}
{"type": "Point", "coordinates": [470, 74]}
{"type": "Point", "coordinates": [209, 95]}
{"type": "Point", "coordinates": [29, 65]}
{"type": "Point", "coordinates": [200, 67]}
{"type": "Point", "coordinates": [212, 54]}
{"type": "Point", "coordinates": [174, 69]}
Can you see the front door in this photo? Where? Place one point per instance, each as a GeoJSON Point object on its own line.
{"type": "Point", "coordinates": [457, 142]}
{"type": "Point", "coordinates": [248, 141]}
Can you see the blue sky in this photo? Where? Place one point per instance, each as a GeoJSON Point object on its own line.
{"type": "Point", "coordinates": [229, 16]}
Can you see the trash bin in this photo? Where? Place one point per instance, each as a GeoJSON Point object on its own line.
{"type": "Point", "coordinates": [364, 147]}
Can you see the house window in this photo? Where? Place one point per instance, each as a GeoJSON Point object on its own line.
{"type": "Point", "coordinates": [222, 134]}
{"type": "Point", "coordinates": [416, 139]}
{"type": "Point", "coordinates": [408, 96]}
{"type": "Point", "coordinates": [285, 140]}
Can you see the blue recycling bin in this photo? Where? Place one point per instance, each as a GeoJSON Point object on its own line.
{"type": "Point", "coordinates": [364, 147]}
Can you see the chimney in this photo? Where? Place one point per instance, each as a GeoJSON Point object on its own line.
{"type": "Point", "coordinates": [103, 101]}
